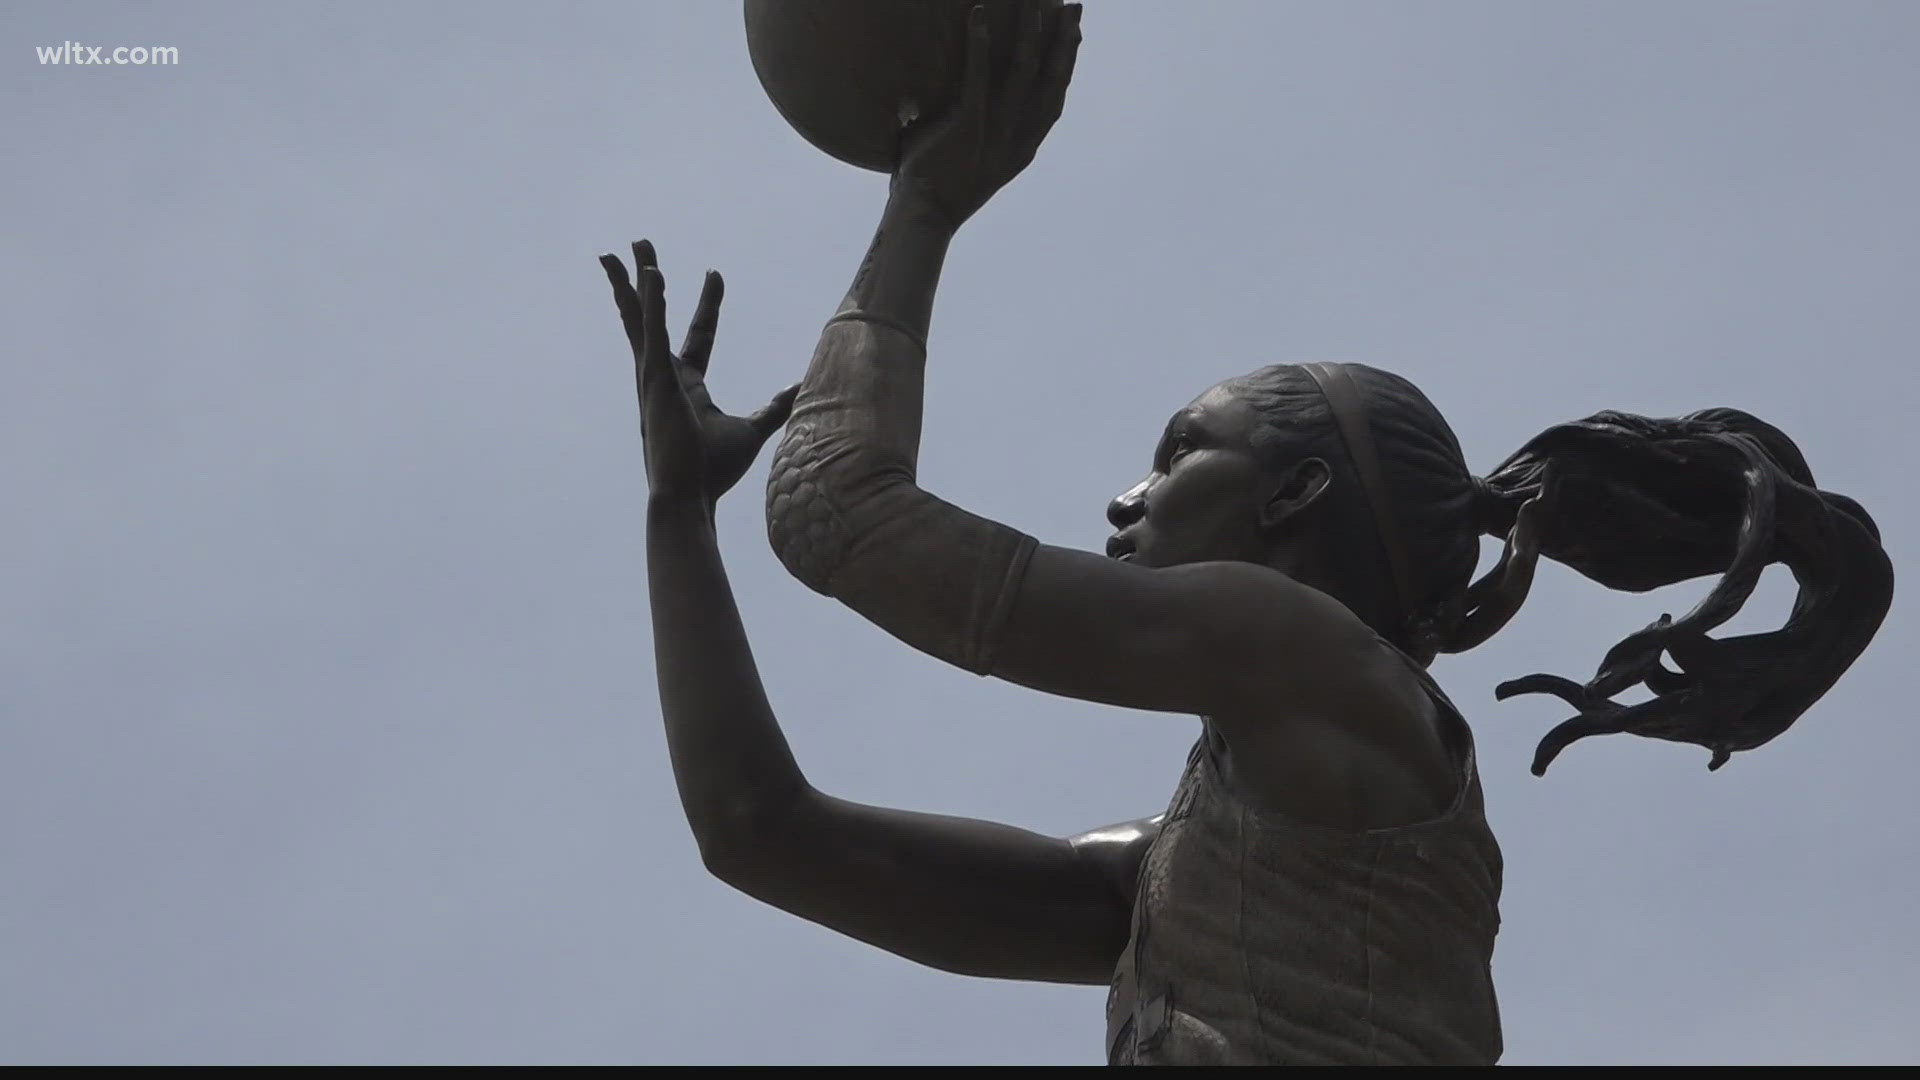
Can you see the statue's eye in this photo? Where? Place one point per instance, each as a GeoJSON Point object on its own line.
{"type": "Point", "coordinates": [1178, 448]}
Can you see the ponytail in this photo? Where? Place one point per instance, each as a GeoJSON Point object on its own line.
{"type": "Point", "coordinates": [1636, 503]}
{"type": "Point", "coordinates": [1632, 502]}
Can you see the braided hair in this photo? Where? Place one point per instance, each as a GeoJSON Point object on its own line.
{"type": "Point", "coordinates": [1634, 503]}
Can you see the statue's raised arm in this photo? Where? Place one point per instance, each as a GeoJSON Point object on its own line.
{"type": "Point", "coordinates": [846, 516]}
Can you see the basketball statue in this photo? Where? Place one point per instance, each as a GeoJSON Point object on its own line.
{"type": "Point", "coordinates": [1322, 887]}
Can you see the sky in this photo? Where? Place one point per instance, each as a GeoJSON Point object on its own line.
{"type": "Point", "coordinates": [328, 730]}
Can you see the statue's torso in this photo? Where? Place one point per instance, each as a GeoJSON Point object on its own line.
{"type": "Point", "coordinates": [1258, 939]}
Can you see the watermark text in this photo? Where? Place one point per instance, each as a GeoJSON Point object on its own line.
{"type": "Point", "coordinates": [74, 53]}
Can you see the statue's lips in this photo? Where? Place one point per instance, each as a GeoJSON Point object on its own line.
{"type": "Point", "coordinates": [1119, 547]}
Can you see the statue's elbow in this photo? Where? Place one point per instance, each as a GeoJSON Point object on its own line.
{"type": "Point", "coordinates": [745, 842]}
{"type": "Point", "coordinates": [726, 859]}
{"type": "Point", "coordinates": [805, 492]}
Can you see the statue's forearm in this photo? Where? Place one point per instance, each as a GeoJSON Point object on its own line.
{"type": "Point", "coordinates": [730, 760]}
{"type": "Point", "coordinates": [901, 271]}
{"type": "Point", "coordinates": [844, 513]}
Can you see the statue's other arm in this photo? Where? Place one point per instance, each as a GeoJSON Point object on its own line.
{"type": "Point", "coordinates": [966, 896]}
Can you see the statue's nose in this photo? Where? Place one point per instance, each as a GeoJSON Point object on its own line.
{"type": "Point", "coordinates": [1130, 506]}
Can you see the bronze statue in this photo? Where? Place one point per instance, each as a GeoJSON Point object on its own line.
{"type": "Point", "coordinates": [1323, 886]}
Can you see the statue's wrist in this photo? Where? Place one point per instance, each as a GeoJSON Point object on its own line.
{"type": "Point", "coordinates": [896, 281]}
{"type": "Point", "coordinates": [911, 205]}
{"type": "Point", "coordinates": [689, 505]}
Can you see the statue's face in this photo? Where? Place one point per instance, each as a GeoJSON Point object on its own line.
{"type": "Point", "coordinates": [1201, 502]}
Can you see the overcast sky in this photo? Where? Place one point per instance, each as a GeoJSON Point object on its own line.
{"type": "Point", "coordinates": [327, 719]}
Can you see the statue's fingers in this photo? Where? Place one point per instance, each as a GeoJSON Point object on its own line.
{"type": "Point", "coordinates": [767, 420]}
{"type": "Point", "coordinates": [975, 80]}
{"type": "Point", "coordinates": [616, 272]}
{"type": "Point", "coordinates": [656, 357]}
{"type": "Point", "coordinates": [1029, 33]}
{"type": "Point", "coordinates": [624, 298]}
{"type": "Point", "coordinates": [653, 310]}
{"type": "Point", "coordinates": [1058, 73]}
{"type": "Point", "coordinates": [1049, 98]}
{"type": "Point", "coordinates": [697, 346]}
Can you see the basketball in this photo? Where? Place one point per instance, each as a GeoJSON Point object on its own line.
{"type": "Point", "coordinates": [849, 74]}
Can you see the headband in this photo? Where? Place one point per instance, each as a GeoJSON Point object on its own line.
{"type": "Point", "coordinates": [1350, 415]}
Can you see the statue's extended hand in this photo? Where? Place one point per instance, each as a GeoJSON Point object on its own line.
{"type": "Point", "coordinates": [958, 160]}
{"type": "Point", "coordinates": [693, 450]}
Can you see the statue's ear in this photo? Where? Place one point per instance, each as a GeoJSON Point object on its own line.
{"type": "Point", "coordinates": [1300, 486]}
